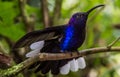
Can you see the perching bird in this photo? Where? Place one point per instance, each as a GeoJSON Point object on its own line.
{"type": "Point", "coordinates": [60, 39]}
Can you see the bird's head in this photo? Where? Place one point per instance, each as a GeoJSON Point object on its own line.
{"type": "Point", "coordinates": [80, 18]}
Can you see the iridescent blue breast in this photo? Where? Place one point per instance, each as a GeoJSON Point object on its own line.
{"type": "Point", "coordinates": [72, 39]}
{"type": "Point", "coordinates": [67, 37]}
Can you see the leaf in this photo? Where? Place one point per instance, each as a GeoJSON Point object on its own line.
{"type": "Point", "coordinates": [7, 26]}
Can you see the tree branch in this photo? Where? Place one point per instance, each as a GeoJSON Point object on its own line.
{"type": "Point", "coordinates": [54, 56]}
{"type": "Point", "coordinates": [116, 26]}
{"type": "Point", "coordinates": [28, 21]}
{"type": "Point", "coordinates": [57, 11]}
{"type": "Point", "coordinates": [57, 56]}
{"type": "Point", "coordinates": [45, 13]}
{"type": "Point", "coordinates": [114, 42]}
{"type": "Point", "coordinates": [5, 61]}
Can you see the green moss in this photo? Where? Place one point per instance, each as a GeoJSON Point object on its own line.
{"type": "Point", "coordinates": [11, 71]}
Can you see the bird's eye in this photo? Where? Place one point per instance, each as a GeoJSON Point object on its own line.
{"type": "Point", "coordinates": [77, 16]}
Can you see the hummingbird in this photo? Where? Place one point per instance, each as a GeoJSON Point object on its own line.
{"type": "Point", "coordinates": [59, 39]}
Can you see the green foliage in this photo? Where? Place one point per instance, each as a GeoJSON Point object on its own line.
{"type": "Point", "coordinates": [8, 28]}
{"type": "Point", "coordinates": [100, 28]}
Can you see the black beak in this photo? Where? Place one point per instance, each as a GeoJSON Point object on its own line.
{"type": "Point", "coordinates": [94, 8]}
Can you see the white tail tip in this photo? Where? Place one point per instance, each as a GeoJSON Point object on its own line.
{"type": "Point", "coordinates": [65, 69]}
{"type": "Point", "coordinates": [81, 62]}
{"type": "Point", "coordinates": [73, 65]}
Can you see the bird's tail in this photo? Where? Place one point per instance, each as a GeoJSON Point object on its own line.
{"type": "Point", "coordinates": [58, 66]}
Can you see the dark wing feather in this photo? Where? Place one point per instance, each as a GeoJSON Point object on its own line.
{"type": "Point", "coordinates": [45, 34]}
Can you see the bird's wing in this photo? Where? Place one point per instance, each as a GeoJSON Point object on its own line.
{"type": "Point", "coordinates": [45, 34]}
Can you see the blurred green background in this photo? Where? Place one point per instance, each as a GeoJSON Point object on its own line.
{"type": "Point", "coordinates": [103, 27]}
